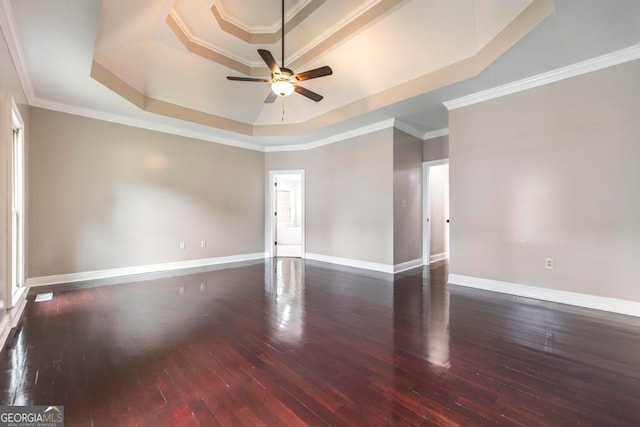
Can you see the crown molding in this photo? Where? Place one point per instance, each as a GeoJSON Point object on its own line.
{"type": "Point", "coordinates": [384, 124]}
{"type": "Point", "coordinates": [274, 28]}
{"type": "Point", "coordinates": [418, 133]}
{"type": "Point", "coordinates": [407, 128]}
{"type": "Point", "coordinates": [199, 41]}
{"type": "Point", "coordinates": [174, 130]}
{"type": "Point", "coordinates": [10, 32]}
{"type": "Point", "coordinates": [598, 63]}
{"type": "Point", "coordinates": [353, 22]}
{"type": "Point", "coordinates": [141, 123]}
{"type": "Point", "coordinates": [435, 134]}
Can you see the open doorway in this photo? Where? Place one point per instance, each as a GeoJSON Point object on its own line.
{"type": "Point", "coordinates": [287, 213]}
{"type": "Point", "coordinates": [435, 242]}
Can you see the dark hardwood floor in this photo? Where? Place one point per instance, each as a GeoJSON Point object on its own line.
{"type": "Point", "coordinates": [310, 344]}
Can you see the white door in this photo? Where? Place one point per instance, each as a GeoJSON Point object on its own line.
{"type": "Point", "coordinates": [288, 220]}
{"type": "Point", "coordinates": [435, 244]}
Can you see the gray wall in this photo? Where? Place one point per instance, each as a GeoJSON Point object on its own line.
{"type": "Point", "coordinates": [349, 196]}
{"type": "Point", "coordinates": [435, 149]}
{"type": "Point", "coordinates": [551, 172]}
{"type": "Point", "coordinates": [105, 196]}
{"type": "Point", "coordinates": [9, 88]}
{"type": "Point", "coordinates": [407, 197]}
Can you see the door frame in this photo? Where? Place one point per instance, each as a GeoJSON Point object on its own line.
{"type": "Point", "coordinates": [426, 209]}
{"type": "Point", "coordinates": [270, 223]}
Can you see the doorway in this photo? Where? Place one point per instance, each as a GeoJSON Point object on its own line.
{"type": "Point", "coordinates": [435, 242]}
{"type": "Point", "coordinates": [287, 213]}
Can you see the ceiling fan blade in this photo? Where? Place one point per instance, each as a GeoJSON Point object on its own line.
{"type": "Point", "coordinates": [247, 79]}
{"type": "Point", "coordinates": [308, 93]}
{"type": "Point", "coordinates": [314, 74]}
{"type": "Point", "coordinates": [271, 97]}
{"type": "Point", "coordinates": [269, 60]}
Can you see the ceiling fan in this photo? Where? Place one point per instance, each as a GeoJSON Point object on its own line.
{"type": "Point", "coordinates": [283, 81]}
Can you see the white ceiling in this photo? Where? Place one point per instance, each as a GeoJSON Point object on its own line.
{"type": "Point", "coordinates": [59, 41]}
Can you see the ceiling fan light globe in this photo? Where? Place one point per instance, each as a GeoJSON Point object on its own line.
{"type": "Point", "coordinates": [282, 88]}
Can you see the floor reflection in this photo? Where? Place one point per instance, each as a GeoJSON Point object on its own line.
{"type": "Point", "coordinates": [421, 315]}
{"type": "Point", "coordinates": [438, 325]}
{"type": "Point", "coordinates": [284, 289]}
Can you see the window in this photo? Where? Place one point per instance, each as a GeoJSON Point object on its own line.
{"type": "Point", "coordinates": [285, 208]}
{"type": "Point", "coordinates": [17, 207]}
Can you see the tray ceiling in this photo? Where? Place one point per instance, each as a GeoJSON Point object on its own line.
{"type": "Point", "coordinates": [172, 57]}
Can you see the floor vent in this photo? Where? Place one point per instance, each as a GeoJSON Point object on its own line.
{"type": "Point", "coordinates": [44, 297]}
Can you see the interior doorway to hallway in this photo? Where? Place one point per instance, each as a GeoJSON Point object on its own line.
{"type": "Point", "coordinates": [286, 197]}
{"type": "Point", "coordinates": [435, 239]}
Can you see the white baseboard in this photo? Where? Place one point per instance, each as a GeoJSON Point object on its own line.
{"type": "Point", "coordinates": [12, 317]}
{"type": "Point", "coordinates": [348, 262]}
{"type": "Point", "coordinates": [613, 305]}
{"type": "Point", "coordinates": [127, 271]}
{"type": "Point", "coordinates": [438, 257]}
{"type": "Point", "coordinates": [5, 329]}
{"type": "Point", "coordinates": [399, 268]}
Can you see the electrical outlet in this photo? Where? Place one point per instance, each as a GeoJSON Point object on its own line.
{"type": "Point", "coordinates": [203, 243]}
{"type": "Point", "coordinates": [548, 263]}
{"type": "Point", "coordinates": [183, 245]}
{"type": "Point", "coordinates": [404, 203]}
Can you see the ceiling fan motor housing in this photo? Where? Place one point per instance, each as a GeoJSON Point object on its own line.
{"type": "Point", "coordinates": [285, 74]}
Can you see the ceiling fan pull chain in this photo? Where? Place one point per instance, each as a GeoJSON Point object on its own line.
{"type": "Point", "coordinates": [282, 109]}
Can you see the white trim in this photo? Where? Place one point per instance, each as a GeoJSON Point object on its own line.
{"type": "Point", "coordinates": [598, 63]}
{"type": "Point", "coordinates": [5, 329]}
{"type": "Point", "coordinates": [12, 317]}
{"type": "Point", "coordinates": [426, 210]}
{"type": "Point", "coordinates": [141, 123]}
{"type": "Point", "coordinates": [16, 118]}
{"type": "Point", "coordinates": [614, 305]}
{"type": "Point", "coordinates": [407, 128]}
{"type": "Point", "coordinates": [141, 269]}
{"type": "Point", "coordinates": [399, 268]}
{"type": "Point", "coordinates": [438, 162]}
{"type": "Point", "coordinates": [348, 262]}
{"type": "Point", "coordinates": [270, 207]}
{"type": "Point", "coordinates": [438, 257]}
{"type": "Point", "coordinates": [16, 312]}
{"type": "Point", "coordinates": [291, 13]}
{"type": "Point", "coordinates": [435, 134]}
{"type": "Point", "coordinates": [8, 26]}
{"type": "Point", "coordinates": [203, 136]}
{"type": "Point", "coordinates": [384, 124]}
{"type": "Point", "coordinates": [203, 43]}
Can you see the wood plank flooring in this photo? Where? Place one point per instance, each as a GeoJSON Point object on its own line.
{"type": "Point", "coordinates": [295, 343]}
